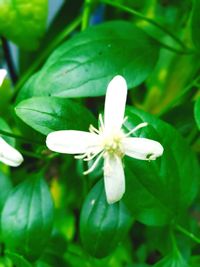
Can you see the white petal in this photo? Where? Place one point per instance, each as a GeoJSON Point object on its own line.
{"type": "Point", "coordinates": [3, 73]}
{"type": "Point", "coordinates": [72, 142]}
{"type": "Point", "coordinates": [114, 179]}
{"type": "Point", "coordinates": [9, 155]}
{"type": "Point", "coordinates": [142, 148]}
{"type": "Point", "coordinates": [115, 103]}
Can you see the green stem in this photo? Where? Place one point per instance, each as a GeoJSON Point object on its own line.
{"type": "Point", "coordinates": [20, 137]}
{"type": "Point", "coordinates": [187, 233]}
{"type": "Point", "coordinates": [193, 135]}
{"type": "Point", "coordinates": [86, 14]}
{"type": "Point", "coordinates": [40, 60]}
{"type": "Point", "coordinates": [9, 60]}
{"type": "Point", "coordinates": [31, 154]}
{"type": "Point", "coordinates": [151, 21]}
{"type": "Point", "coordinates": [173, 49]}
{"type": "Point", "coordinates": [178, 97]}
{"type": "Point", "coordinates": [174, 243]}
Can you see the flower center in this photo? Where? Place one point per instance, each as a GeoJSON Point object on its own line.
{"type": "Point", "coordinates": [112, 145]}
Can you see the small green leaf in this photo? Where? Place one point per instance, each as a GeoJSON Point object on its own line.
{"type": "Point", "coordinates": [27, 218]}
{"type": "Point", "coordinates": [48, 114]}
{"type": "Point", "coordinates": [5, 185]}
{"type": "Point", "coordinates": [84, 65]}
{"type": "Point", "coordinates": [195, 23]}
{"type": "Point", "coordinates": [102, 226]}
{"type": "Point", "coordinates": [157, 192]}
{"type": "Point", "coordinates": [23, 21]}
{"type": "Point", "coordinates": [173, 259]}
{"type": "Point", "coordinates": [197, 112]}
{"type": "Point", "coordinates": [18, 260]}
{"type": "Point", "coordinates": [4, 127]}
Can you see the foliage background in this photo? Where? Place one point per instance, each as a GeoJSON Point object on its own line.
{"type": "Point", "coordinates": [59, 83]}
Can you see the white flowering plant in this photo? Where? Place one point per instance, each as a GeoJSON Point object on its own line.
{"type": "Point", "coordinates": [99, 133]}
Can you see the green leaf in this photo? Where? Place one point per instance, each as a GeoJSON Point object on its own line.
{"type": "Point", "coordinates": [195, 23]}
{"type": "Point", "coordinates": [173, 259]}
{"type": "Point", "coordinates": [55, 252]}
{"type": "Point", "coordinates": [197, 112]}
{"type": "Point", "coordinates": [5, 185]}
{"type": "Point", "coordinates": [41, 264]}
{"type": "Point", "coordinates": [5, 262]}
{"type": "Point", "coordinates": [18, 260]}
{"type": "Point", "coordinates": [27, 218]}
{"type": "Point", "coordinates": [195, 261]}
{"type": "Point", "coordinates": [4, 127]}
{"type": "Point", "coordinates": [139, 265]}
{"type": "Point", "coordinates": [102, 226]}
{"type": "Point", "coordinates": [157, 192]}
{"type": "Point", "coordinates": [6, 94]}
{"type": "Point", "coordinates": [48, 114]}
{"type": "Point", "coordinates": [84, 65]}
{"type": "Point", "coordinates": [23, 21]}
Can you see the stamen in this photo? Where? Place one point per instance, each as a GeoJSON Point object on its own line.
{"type": "Point", "coordinates": [125, 119]}
{"type": "Point", "coordinates": [82, 156]}
{"type": "Point", "coordinates": [92, 129]}
{"type": "Point", "coordinates": [139, 126]}
{"type": "Point", "coordinates": [90, 157]}
{"type": "Point", "coordinates": [101, 122]}
{"type": "Point", "coordinates": [94, 164]}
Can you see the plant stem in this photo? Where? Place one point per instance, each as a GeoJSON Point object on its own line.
{"type": "Point", "coordinates": [40, 60]}
{"type": "Point", "coordinates": [86, 14]}
{"type": "Point", "coordinates": [193, 135]}
{"type": "Point", "coordinates": [153, 22]}
{"type": "Point", "coordinates": [174, 243]}
{"type": "Point", "coordinates": [178, 97]}
{"type": "Point", "coordinates": [173, 49]}
{"type": "Point", "coordinates": [20, 137]}
{"type": "Point", "coordinates": [187, 233]}
{"type": "Point", "coordinates": [9, 60]}
{"type": "Point", "coordinates": [31, 154]}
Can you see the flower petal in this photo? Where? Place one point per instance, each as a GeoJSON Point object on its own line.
{"type": "Point", "coordinates": [142, 148]}
{"type": "Point", "coordinates": [72, 142]}
{"type": "Point", "coordinates": [9, 155]}
{"type": "Point", "coordinates": [114, 179]}
{"type": "Point", "coordinates": [3, 73]}
{"type": "Point", "coordinates": [115, 104]}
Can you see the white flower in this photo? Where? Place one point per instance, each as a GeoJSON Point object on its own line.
{"type": "Point", "coordinates": [9, 155]}
{"type": "Point", "coordinates": [3, 73]}
{"type": "Point", "coordinates": [109, 142]}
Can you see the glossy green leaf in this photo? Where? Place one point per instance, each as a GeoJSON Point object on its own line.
{"type": "Point", "coordinates": [23, 21]}
{"type": "Point", "coordinates": [28, 213]}
{"type": "Point", "coordinates": [195, 23]}
{"type": "Point", "coordinates": [102, 226]}
{"type": "Point", "coordinates": [197, 112]}
{"type": "Point", "coordinates": [84, 65]}
{"type": "Point", "coordinates": [5, 187]}
{"type": "Point", "coordinates": [48, 114]}
{"type": "Point", "coordinates": [158, 191]}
